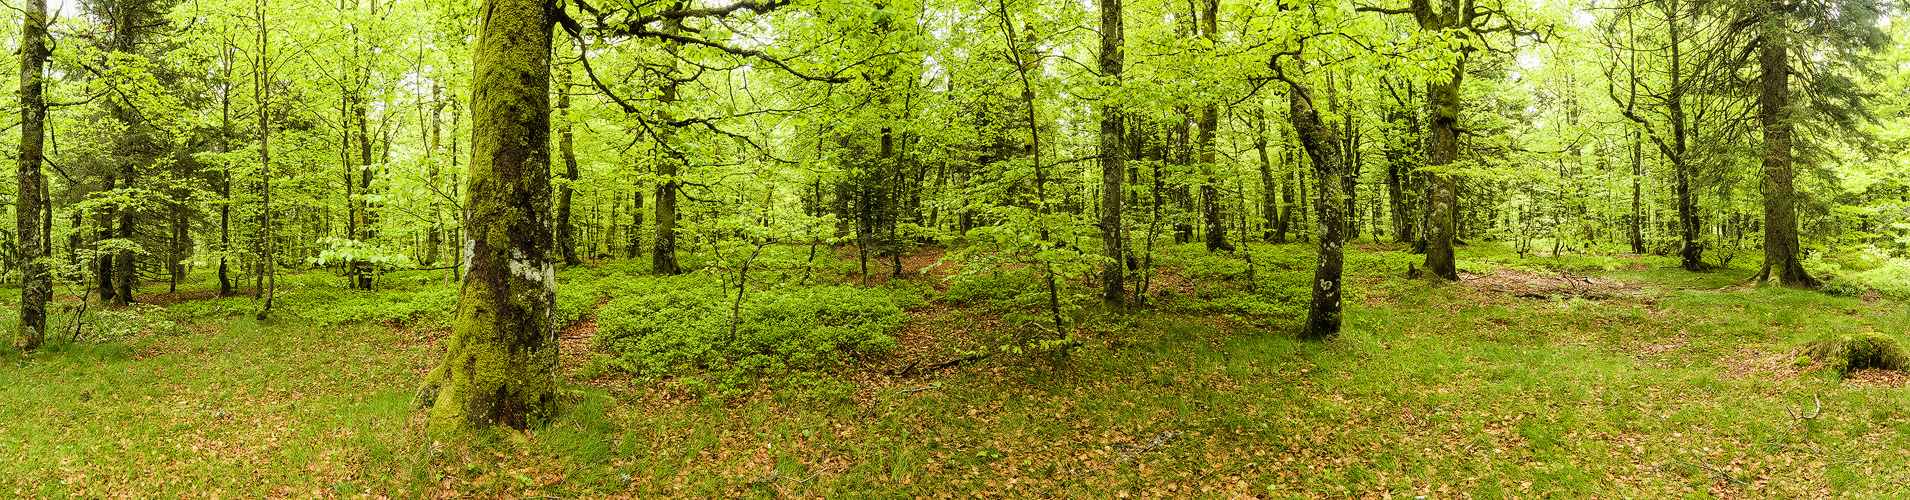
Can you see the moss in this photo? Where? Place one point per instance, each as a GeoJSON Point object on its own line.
{"type": "Point", "coordinates": [499, 364]}
{"type": "Point", "coordinates": [1848, 352]}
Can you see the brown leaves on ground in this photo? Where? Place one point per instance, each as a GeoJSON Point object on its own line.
{"type": "Point", "coordinates": [1526, 284]}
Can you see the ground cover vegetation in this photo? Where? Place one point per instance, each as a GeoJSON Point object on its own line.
{"type": "Point", "coordinates": [914, 248]}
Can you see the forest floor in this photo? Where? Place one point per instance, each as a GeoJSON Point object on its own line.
{"type": "Point", "coordinates": [1577, 376]}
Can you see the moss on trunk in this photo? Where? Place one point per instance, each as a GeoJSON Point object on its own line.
{"type": "Point", "coordinates": [499, 365]}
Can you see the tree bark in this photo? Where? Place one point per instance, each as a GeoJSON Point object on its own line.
{"type": "Point", "coordinates": [1636, 221]}
{"type": "Point", "coordinates": [1212, 228]}
{"type": "Point", "coordinates": [566, 145]}
{"type": "Point", "coordinates": [1323, 146]}
{"type": "Point", "coordinates": [1269, 189]}
{"type": "Point", "coordinates": [1113, 163]}
{"type": "Point", "coordinates": [500, 362]}
{"type": "Point", "coordinates": [35, 288]}
{"type": "Point", "coordinates": [1442, 148]}
{"type": "Point", "coordinates": [104, 270]}
{"type": "Point", "coordinates": [1399, 174]}
{"type": "Point", "coordinates": [663, 251]}
{"type": "Point", "coordinates": [262, 94]}
{"type": "Point", "coordinates": [1781, 246]}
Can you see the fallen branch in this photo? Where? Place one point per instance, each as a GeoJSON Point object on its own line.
{"type": "Point", "coordinates": [1714, 470]}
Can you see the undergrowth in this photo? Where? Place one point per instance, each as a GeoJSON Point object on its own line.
{"type": "Point", "coordinates": [1688, 390]}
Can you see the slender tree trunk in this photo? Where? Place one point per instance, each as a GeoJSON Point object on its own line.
{"type": "Point", "coordinates": [1285, 222]}
{"type": "Point", "coordinates": [225, 173]}
{"type": "Point", "coordinates": [1637, 219]}
{"type": "Point", "coordinates": [663, 253]}
{"type": "Point", "coordinates": [104, 271]}
{"type": "Point", "coordinates": [1323, 146]}
{"type": "Point", "coordinates": [1781, 248]}
{"type": "Point", "coordinates": [500, 362]}
{"type": "Point", "coordinates": [566, 145]}
{"type": "Point", "coordinates": [368, 219]}
{"type": "Point", "coordinates": [1113, 163]}
{"type": "Point", "coordinates": [635, 247]}
{"type": "Point", "coordinates": [434, 238]}
{"type": "Point", "coordinates": [35, 288]}
{"type": "Point", "coordinates": [1269, 189]}
{"type": "Point", "coordinates": [262, 94]}
{"type": "Point", "coordinates": [1399, 175]}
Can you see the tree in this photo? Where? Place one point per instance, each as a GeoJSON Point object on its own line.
{"type": "Point", "coordinates": [1323, 147]}
{"type": "Point", "coordinates": [1835, 37]}
{"type": "Point", "coordinates": [1214, 232]}
{"type": "Point", "coordinates": [35, 288]}
{"type": "Point", "coordinates": [500, 362]}
{"type": "Point", "coordinates": [1113, 162]}
{"type": "Point", "coordinates": [1674, 142]}
{"type": "Point", "coordinates": [1465, 21]}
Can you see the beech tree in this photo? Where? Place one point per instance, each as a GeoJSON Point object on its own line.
{"type": "Point", "coordinates": [499, 363]}
{"type": "Point", "coordinates": [31, 208]}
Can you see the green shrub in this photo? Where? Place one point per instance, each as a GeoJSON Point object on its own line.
{"type": "Point", "coordinates": [575, 301]}
{"type": "Point", "coordinates": [989, 286]}
{"type": "Point", "coordinates": [684, 322]}
{"type": "Point", "coordinates": [1843, 288]}
{"type": "Point", "coordinates": [1892, 279]}
{"type": "Point", "coordinates": [1215, 266]}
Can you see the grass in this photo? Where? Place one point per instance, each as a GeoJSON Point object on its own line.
{"type": "Point", "coordinates": [1684, 391]}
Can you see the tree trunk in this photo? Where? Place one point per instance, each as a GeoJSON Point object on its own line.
{"type": "Point", "coordinates": [1323, 146]}
{"type": "Point", "coordinates": [262, 94]}
{"type": "Point", "coordinates": [1212, 229]}
{"type": "Point", "coordinates": [105, 270]}
{"type": "Point", "coordinates": [1442, 147]}
{"type": "Point", "coordinates": [367, 223]}
{"type": "Point", "coordinates": [1113, 164]}
{"type": "Point", "coordinates": [1399, 174]}
{"type": "Point", "coordinates": [1636, 221]}
{"type": "Point", "coordinates": [1781, 246]}
{"type": "Point", "coordinates": [566, 145]}
{"type": "Point", "coordinates": [1286, 193]}
{"type": "Point", "coordinates": [1269, 189]}
{"type": "Point", "coordinates": [500, 362]}
{"type": "Point", "coordinates": [635, 247]}
{"type": "Point", "coordinates": [663, 252]}
{"type": "Point", "coordinates": [35, 288]}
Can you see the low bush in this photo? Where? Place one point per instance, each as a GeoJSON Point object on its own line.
{"type": "Point", "coordinates": [1892, 279]}
{"type": "Point", "coordinates": [684, 322]}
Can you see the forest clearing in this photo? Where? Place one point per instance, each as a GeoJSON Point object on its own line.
{"type": "Point", "coordinates": [566, 249]}
{"type": "Point", "coordinates": [1668, 384]}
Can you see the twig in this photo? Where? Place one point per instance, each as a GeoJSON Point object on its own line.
{"type": "Point", "coordinates": [1797, 417]}
{"type": "Point", "coordinates": [1714, 470]}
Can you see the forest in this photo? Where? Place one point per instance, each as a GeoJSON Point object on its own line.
{"type": "Point", "coordinates": [567, 249]}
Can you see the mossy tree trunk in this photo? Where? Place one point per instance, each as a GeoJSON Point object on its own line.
{"type": "Point", "coordinates": [499, 364]}
{"type": "Point", "coordinates": [35, 290]}
{"type": "Point", "coordinates": [1442, 190]}
{"type": "Point", "coordinates": [1323, 147]}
